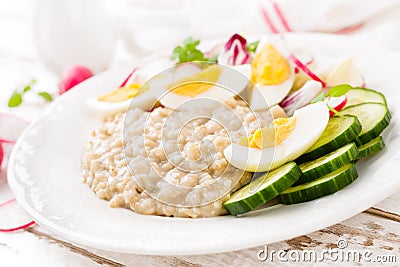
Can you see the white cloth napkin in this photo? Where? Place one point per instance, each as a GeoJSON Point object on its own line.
{"type": "Point", "coordinates": [377, 20]}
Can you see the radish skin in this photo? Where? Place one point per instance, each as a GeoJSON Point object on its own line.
{"type": "Point", "coordinates": [17, 228]}
{"type": "Point", "coordinates": [11, 127]}
{"type": "Point", "coordinates": [336, 103]}
{"type": "Point", "coordinates": [73, 76]}
{"type": "Point", "coordinates": [304, 68]}
{"type": "Point", "coordinates": [301, 97]}
{"type": "Point", "coordinates": [125, 82]}
{"type": "Point", "coordinates": [1, 154]}
{"type": "Point", "coordinates": [21, 227]}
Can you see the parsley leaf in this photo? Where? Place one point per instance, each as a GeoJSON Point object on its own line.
{"type": "Point", "coordinates": [339, 90]}
{"type": "Point", "coordinates": [213, 59]}
{"type": "Point", "coordinates": [188, 52]}
{"type": "Point", "coordinates": [252, 47]}
{"type": "Point", "coordinates": [46, 96]}
{"type": "Point", "coordinates": [15, 99]}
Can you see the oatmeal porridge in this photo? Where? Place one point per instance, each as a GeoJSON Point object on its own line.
{"type": "Point", "coordinates": [170, 162]}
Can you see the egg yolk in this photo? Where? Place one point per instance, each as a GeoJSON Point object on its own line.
{"type": "Point", "coordinates": [271, 136]}
{"type": "Point", "coordinates": [198, 83]}
{"type": "Point", "coordinates": [269, 67]}
{"type": "Point", "coordinates": [122, 93]}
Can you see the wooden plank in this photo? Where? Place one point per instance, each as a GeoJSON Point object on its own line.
{"type": "Point", "coordinates": [364, 231]}
{"type": "Point", "coordinates": [390, 204]}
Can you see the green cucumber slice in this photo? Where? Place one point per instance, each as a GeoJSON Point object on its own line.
{"type": "Point", "coordinates": [374, 118]}
{"type": "Point", "coordinates": [317, 168]}
{"type": "Point", "coordinates": [339, 132]}
{"type": "Point", "coordinates": [362, 95]}
{"type": "Point", "coordinates": [371, 148]}
{"type": "Point", "coordinates": [323, 186]}
{"type": "Point", "coordinates": [263, 189]}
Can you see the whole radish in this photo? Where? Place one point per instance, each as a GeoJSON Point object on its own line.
{"type": "Point", "coordinates": [73, 76]}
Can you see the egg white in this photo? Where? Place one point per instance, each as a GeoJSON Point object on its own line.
{"type": "Point", "coordinates": [265, 96]}
{"type": "Point", "coordinates": [311, 122]}
{"type": "Point", "coordinates": [229, 84]}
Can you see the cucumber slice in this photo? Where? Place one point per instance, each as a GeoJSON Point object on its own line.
{"type": "Point", "coordinates": [374, 118]}
{"type": "Point", "coordinates": [317, 168]}
{"type": "Point", "coordinates": [371, 148]}
{"type": "Point", "coordinates": [263, 189]}
{"type": "Point", "coordinates": [339, 132]}
{"type": "Point", "coordinates": [323, 186]}
{"type": "Point", "coordinates": [361, 95]}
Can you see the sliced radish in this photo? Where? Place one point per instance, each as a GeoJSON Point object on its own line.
{"type": "Point", "coordinates": [235, 52]}
{"type": "Point", "coordinates": [303, 55]}
{"type": "Point", "coordinates": [11, 128]}
{"type": "Point", "coordinates": [14, 228]}
{"type": "Point", "coordinates": [301, 97]}
{"type": "Point", "coordinates": [215, 50]}
{"type": "Point", "coordinates": [337, 103]}
{"type": "Point", "coordinates": [304, 68]}
{"type": "Point", "coordinates": [1, 155]}
{"type": "Point", "coordinates": [21, 227]}
{"type": "Point", "coordinates": [6, 212]}
{"type": "Point", "coordinates": [186, 70]}
{"type": "Point", "coordinates": [128, 79]}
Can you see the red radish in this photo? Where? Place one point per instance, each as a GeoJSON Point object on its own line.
{"type": "Point", "coordinates": [235, 52]}
{"type": "Point", "coordinates": [301, 97]}
{"type": "Point", "coordinates": [13, 229]}
{"type": "Point", "coordinates": [337, 103]}
{"type": "Point", "coordinates": [7, 202]}
{"type": "Point", "coordinates": [11, 127]}
{"type": "Point", "coordinates": [303, 56]}
{"type": "Point", "coordinates": [185, 70]}
{"type": "Point", "coordinates": [21, 227]}
{"type": "Point", "coordinates": [215, 50]}
{"type": "Point", "coordinates": [73, 76]}
{"type": "Point", "coordinates": [304, 68]}
{"type": "Point", "coordinates": [1, 154]}
{"type": "Point", "coordinates": [128, 78]}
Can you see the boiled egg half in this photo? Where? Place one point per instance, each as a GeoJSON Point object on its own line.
{"type": "Point", "coordinates": [272, 75]}
{"type": "Point", "coordinates": [215, 82]}
{"type": "Point", "coordinates": [284, 141]}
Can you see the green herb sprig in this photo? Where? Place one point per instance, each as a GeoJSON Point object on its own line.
{"type": "Point", "coordinates": [252, 47]}
{"type": "Point", "coordinates": [16, 97]}
{"type": "Point", "coordinates": [335, 91]}
{"type": "Point", "coordinates": [188, 52]}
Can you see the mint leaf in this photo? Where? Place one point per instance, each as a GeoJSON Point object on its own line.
{"type": "Point", "coordinates": [252, 47]}
{"type": "Point", "coordinates": [15, 100]}
{"type": "Point", "coordinates": [339, 90]}
{"type": "Point", "coordinates": [46, 96]}
{"type": "Point", "coordinates": [318, 98]}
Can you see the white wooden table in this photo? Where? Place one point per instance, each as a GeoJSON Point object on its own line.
{"type": "Point", "coordinates": [376, 229]}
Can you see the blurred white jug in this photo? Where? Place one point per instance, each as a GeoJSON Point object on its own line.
{"type": "Point", "coordinates": [74, 33]}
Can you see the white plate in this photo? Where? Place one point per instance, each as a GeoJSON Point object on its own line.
{"type": "Point", "coordinates": [44, 173]}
